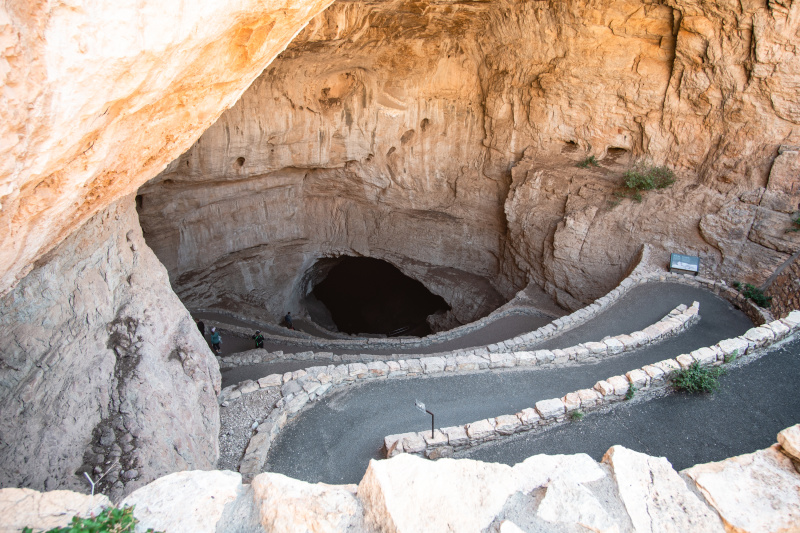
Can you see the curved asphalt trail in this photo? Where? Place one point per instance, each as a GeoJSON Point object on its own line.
{"type": "Point", "coordinates": [499, 330]}
{"type": "Point", "coordinates": [754, 403]}
{"type": "Point", "coordinates": [333, 440]}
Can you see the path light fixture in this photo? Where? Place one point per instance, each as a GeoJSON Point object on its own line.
{"type": "Point", "coordinates": [421, 406]}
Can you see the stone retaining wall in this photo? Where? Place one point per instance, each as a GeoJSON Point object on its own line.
{"type": "Point", "coordinates": [638, 272]}
{"type": "Point", "coordinates": [785, 290]}
{"type": "Point", "coordinates": [301, 387]}
{"type": "Point", "coordinates": [446, 441]}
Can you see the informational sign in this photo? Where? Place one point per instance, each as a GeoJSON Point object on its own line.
{"type": "Point", "coordinates": [419, 405]}
{"type": "Point", "coordinates": [684, 263]}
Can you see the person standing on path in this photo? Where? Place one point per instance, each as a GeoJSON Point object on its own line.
{"type": "Point", "coordinates": [259, 338]}
{"type": "Point", "coordinates": [216, 340]}
{"type": "Point", "coordinates": [201, 327]}
{"type": "Point", "coordinates": [288, 319]}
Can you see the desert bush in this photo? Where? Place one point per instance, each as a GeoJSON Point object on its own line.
{"type": "Point", "coordinates": [697, 378]}
{"type": "Point", "coordinates": [111, 520]}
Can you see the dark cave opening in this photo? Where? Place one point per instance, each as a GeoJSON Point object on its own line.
{"type": "Point", "coordinates": [371, 296]}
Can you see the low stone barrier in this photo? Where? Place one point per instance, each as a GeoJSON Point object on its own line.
{"type": "Point", "coordinates": [300, 387]}
{"type": "Point", "coordinates": [640, 274]}
{"type": "Point", "coordinates": [446, 441]}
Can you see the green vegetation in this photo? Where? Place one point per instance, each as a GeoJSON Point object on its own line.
{"type": "Point", "coordinates": [591, 160]}
{"type": "Point", "coordinates": [576, 416]}
{"type": "Point", "coordinates": [752, 292]}
{"type": "Point", "coordinates": [795, 225]}
{"type": "Point", "coordinates": [647, 178]}
{"type": "Point", "coordinates": [697, 378]}
{"type": "Point", "coordinates": [631, 391]}
{"type": "Point", "coordinates": [642, 178]}
{"type": "Point", "coordinates": [730, 358]}
{"type": "Point", "coordinates": [111, 520]}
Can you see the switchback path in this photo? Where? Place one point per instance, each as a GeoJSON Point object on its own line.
{"type": "Point", "coordinates": [333, 440]}
{"type": "Point", "coordinates": [755, 402]}
{"type": "Point", "coordinates": [499, 330]}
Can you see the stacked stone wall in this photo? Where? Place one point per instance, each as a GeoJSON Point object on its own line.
{"type": "Point", "coordinates": [785, 290]}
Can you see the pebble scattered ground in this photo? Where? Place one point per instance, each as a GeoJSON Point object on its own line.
{"type": "Point", "coordinates": [236, 424]}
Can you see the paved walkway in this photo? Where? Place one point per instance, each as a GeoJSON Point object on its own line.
{"type": "Point", "coordinates": [499, 330]}
{"type": "Point", "coordinates": [335, 438]}
{"type": "Point", "coordinates": [755, 402]}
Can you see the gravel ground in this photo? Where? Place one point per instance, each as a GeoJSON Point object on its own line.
{"type": "Point", "coordinates": [236, 424]}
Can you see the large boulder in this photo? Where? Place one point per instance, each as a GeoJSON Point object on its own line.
{"type": "Point", "coordinates": [103, 370]}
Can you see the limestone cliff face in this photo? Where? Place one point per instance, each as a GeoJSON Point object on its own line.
{"type": "Point", "coordinates": [397, 130]}
{"type": "Point", "coordinates": [98, 97]}
{"type": "Point", "coordinates": [101, 362]}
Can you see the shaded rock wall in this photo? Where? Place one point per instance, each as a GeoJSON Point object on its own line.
{"type": "Point", "coordinates": [101, 361]}
{"type": "Point", "coordinates": [398, 130]}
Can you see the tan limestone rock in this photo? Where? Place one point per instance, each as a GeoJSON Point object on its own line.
{"type": "Point", "coordinates": [286, 504]}
{"type": "Point", "coordinates": [789, 439]}
{"type": "Point", "coordinates": [185, 501]}
{"type": "Point", "coordinates": [753, 492]}
{"type": "Point", "coordinates": [573, 504]}
{"type": "Point", "coordinates": [21, 508]}
{"type": "Point", "coordinates": [539, 470]}
{"type": "Point", "coordinates": [101, 105]}
{"type": "Point", "coordinates": [410, 494]}
{"type": "Point", "coordinates": [655, 497]}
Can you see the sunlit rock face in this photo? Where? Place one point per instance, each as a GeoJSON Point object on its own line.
{"type": "Point", "coordinates": [397, 131]}
{"type": "Point", "coordinates": [99, 96]}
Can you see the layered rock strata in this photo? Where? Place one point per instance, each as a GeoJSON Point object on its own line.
{"type": "Point", "coordinates": [102, 368]}
{"type": "Point", "coordinates": [97, 98]}
{"type": "Point", "coordinates": [627, 491]}
{"type": "Point", "coordinates": [445, 137]}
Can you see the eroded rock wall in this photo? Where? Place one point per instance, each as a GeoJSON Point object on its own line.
{"type": "Point", "coordinates": [445, 137]}
{"type": "Point", "coordinates": [99, 96]}
{"type": "Point", "coordinates": [102, 364]}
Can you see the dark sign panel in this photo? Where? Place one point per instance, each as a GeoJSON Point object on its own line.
{"type": "Point", "coordinates": [684, 264]}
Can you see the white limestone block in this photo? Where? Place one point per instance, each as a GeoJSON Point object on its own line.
{"type": "Point", "coordinates": [407, 494]}
{"type": "Point", "coordinates": [551, 408]}
{"type": "Point", "coordinates": [286, 504]}
{"type": "Point", "coordinates": [540, 470]}
{"type": "Point", "coordinates": [655, 497]}
{"type": "Point", "coordinates": [574, 505]}
{"type": "Point", "coordinates": [589, 398]}
{"type": "Point", "coordinates": [456, 435]}
{"type": "Point", "coordinates": [614, 346]}
{"type": "Point", "coordinates": [507, 424]}
{"type": "Point", "coordinates": [185, 502]}
{"type": "Point", "coordinates": [43, 511]}
{"type": "Point", "coordinates": [481, 429]}
{"type": "Point", "coordinates": [753, 492]}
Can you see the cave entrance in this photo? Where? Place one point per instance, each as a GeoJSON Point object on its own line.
{"type": "Point", "coordinates": [370, 296]}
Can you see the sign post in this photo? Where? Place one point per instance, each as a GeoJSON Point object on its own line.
{"type": "Point", "coordinates": [684, 264]}
{"type": "Point", "coordinates": [421, 406]}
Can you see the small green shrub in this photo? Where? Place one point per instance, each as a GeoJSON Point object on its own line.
{"type": "Point", "coordinates": [697, 378]}
{"type": "Point", "coordinates": [631, 391]}
{"type": "Point", "coordinates": [730, 358]}
{"type": "Point", "coordinates": [795, 225]}
{"type": "Point", "coordinates": [591, 160]}
{"type": "Point", "coordinates": [577, 415]}
{"type": "Point", "coordinates": [753, 293]}
{"type": "Point", "coordinates": [646, 178]}
{"type": "Point", "coordinates": [111, 520]}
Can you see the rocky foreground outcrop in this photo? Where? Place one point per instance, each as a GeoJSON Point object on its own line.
{"type": "Point", "coordinates": [444, 137]}
{"type": "Point", "coordinates": [627, 492]}
{"type": "Point", "coordinates": [102, 368]}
